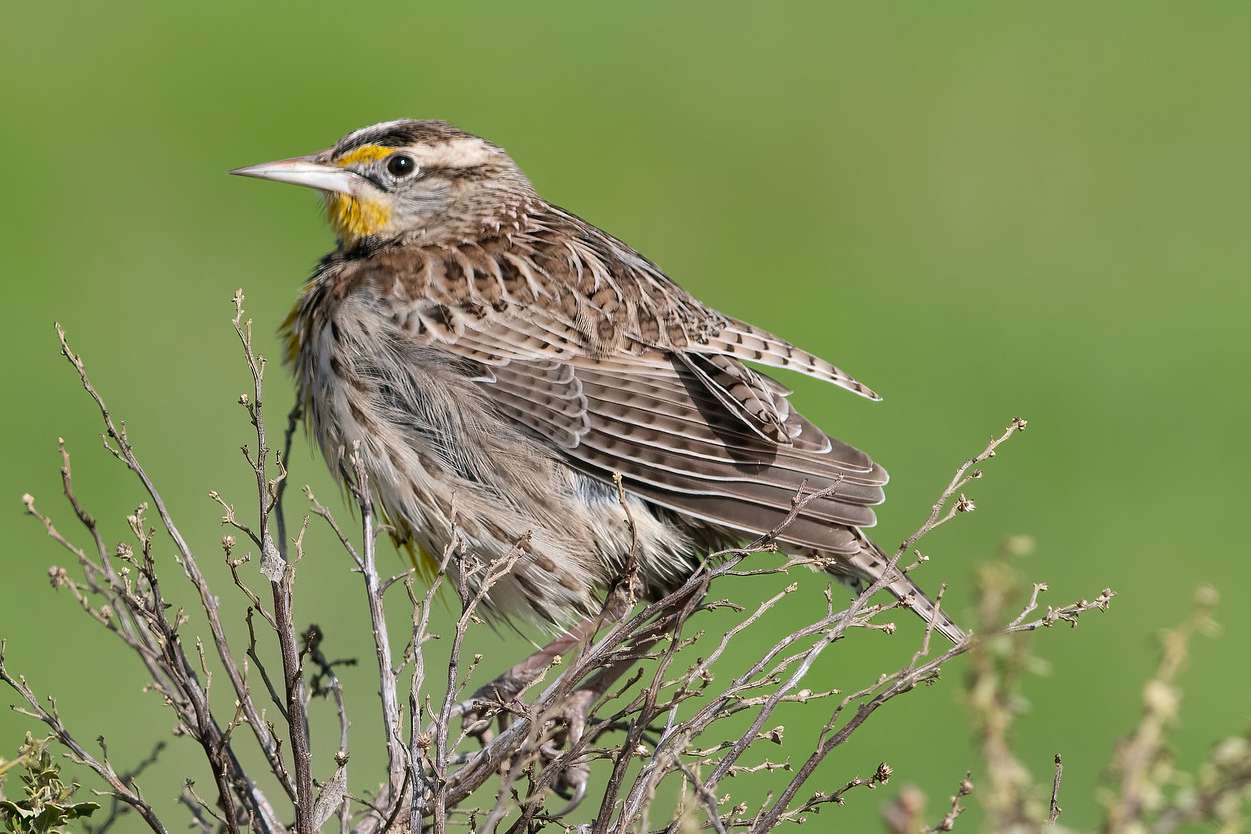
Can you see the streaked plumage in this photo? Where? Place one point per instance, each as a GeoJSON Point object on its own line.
{"type": "Point", "coordinates": [497, 359]}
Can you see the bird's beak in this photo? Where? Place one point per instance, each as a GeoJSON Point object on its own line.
{"type": "Point", "coordinates": [305, 170]}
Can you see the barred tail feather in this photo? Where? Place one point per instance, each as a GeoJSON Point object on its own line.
{"type": "Point", "coordinates": [751, 343]}
{"type": "Point", "coordinates": [870, 563]}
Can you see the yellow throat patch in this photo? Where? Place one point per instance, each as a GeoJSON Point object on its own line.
{"type": "Point", "coordinates": [351, 217]}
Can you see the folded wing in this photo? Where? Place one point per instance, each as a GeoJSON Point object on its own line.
{"type": "Point", "coordinates": [591, 348]}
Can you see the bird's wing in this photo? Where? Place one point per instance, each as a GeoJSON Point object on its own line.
{"type": "Point", "coordinates": [677, 442]}
{"type": "Point", "coordinates": [591, 348]}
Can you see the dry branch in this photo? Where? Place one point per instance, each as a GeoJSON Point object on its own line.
{"type": "Point", "coordinates": [664, 725]}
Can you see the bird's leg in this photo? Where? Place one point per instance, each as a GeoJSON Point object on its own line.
{"type": "Point", "coordinates": [575, 713]}
{"type": "Point", "coordinates": [572, 716]}
{"type": "Point", "coordinates": [504, 690]}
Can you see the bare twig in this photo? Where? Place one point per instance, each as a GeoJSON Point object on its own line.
{"type": "Point", "coordinates": [1053, 807]}
{"type": "Point", "coordinates": [1138, 755]}
{"type": "Point", "coordinates": [280, 571]}
{"type": "Point", "coordinates": [392, 727]}
{"type": "Point", "coordinates": [210, 736]}
{"type": "Point", "coordinates": [572, 713]}
{"type": "Point", "coordinates": [122, 789]}
{"type": "Point", "coordinates": [948, 822]}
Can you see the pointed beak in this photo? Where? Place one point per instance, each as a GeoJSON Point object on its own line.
{"type": "Point", "coordinates": [304, 170]}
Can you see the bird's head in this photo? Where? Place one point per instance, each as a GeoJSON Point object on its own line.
{"type": "Point", "coordinates": [387, 180]}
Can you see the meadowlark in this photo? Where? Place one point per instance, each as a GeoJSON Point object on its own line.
{"type": "Point", "coordinates": [496, 360]}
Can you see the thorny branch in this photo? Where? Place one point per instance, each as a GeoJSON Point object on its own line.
{"type": "Point", "coordinates": [658, 725]}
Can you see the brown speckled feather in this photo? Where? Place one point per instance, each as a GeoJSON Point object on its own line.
{"type": "Point", "coordinates": [498, 360]}
{"type": "Point", "coordinates": [591, 348]}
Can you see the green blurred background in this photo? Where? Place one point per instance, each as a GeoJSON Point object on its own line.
{"type": "Point", "coordinates": [981, 209]}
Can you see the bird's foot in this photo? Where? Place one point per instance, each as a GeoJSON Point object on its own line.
{"type": "Point", "coordinates": [501, 697]}
{"type": "Point", "coordinates": [567, 727]}
{"type": "Point", "coordinates": [498, 700]}
{"type": "Point", "coordinates": [496, 704]}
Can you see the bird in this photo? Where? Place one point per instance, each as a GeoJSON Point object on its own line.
{"type": "Point", "coordinates": [516, 379]}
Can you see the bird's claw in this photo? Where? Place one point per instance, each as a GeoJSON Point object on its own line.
{"type": "Point", "coordinates": [492, 704]}
{"type": "Point", "coordinates": [571, 783]}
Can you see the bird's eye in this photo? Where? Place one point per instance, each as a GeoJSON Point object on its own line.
{"type": "Point", "coordinates": [401, 166]}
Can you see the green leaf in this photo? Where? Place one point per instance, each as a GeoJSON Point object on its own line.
{"type": "Point", "coordinates": [9, 808]}
{"type": "Point", "coordinates": [81, 809]}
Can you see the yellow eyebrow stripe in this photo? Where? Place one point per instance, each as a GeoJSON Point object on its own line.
{"type": "Point", "coordinates": [365, 153]}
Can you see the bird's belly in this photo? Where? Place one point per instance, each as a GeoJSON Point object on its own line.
{"type": "Point", "coordinates": [449, 471]}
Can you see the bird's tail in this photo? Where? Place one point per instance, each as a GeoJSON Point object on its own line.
{"type": "Point", "coordinates": [870, 563]}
